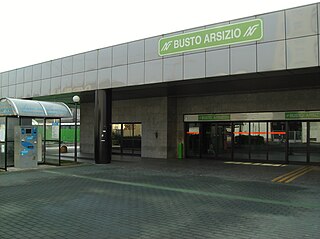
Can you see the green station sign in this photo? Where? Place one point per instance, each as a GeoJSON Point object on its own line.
{"type": "Point", "coordinates": [302, 115]}
{"type": "Point", "coordinates": [213, 117]}
{"type": "Point", "coordinates": [241, 32]}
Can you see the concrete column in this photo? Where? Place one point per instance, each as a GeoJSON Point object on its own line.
{"type": "Point", "coordinates": [103, 125]}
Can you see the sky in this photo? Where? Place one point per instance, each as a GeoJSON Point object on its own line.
{"type": "Point", "coordinates": [34, 31]}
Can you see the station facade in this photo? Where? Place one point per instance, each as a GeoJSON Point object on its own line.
{"type": "Point", "coordinates": [245, 89]}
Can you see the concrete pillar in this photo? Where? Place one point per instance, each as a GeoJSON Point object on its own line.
{"type": "Point", "coordinates": [103, 125]}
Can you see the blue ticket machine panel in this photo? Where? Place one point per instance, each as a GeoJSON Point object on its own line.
{"type": "Point", "coordinates": [25, 147]}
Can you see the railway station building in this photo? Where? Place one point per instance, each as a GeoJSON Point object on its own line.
{"type": "Point", "coordinates": [245, 89]}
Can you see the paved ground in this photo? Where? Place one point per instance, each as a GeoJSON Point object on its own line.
{"type": "Point", "coordinates": [134, 198]}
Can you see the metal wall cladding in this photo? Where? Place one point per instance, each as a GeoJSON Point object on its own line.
{"type": "Point", "coordinates": [45, 87]}
{"type": "Point", "coordinates": [55, 87]}
{"type": "Point", "coordinates": [271, 56]}
{"type": "Point", "coordinates": [243, 59]}
{"type": "Point", "coordinates": [136, 74]}
{"type": "Point", "coordinates": [151, 48]}
{"type": "Point", "coordinates": [105, 57]}
{"type": "Point", "coordinates": [302, 52]}
{"type": "Point", "coordinates": [153, 71]}
{"type": "Point", "coordinates": [20, 75]}
{"type": "Point", "coordinates": [104, 78]}
{"type": "Point", "coordinates": [28, 74]}
{"type": "Point", "coordinates": [290, 41]}
{"type": "Point", "coordinates": [218, 62]}
{"type": "Point", "coordinates": [91, 60]}
{"type": "Point", "coordinates": [301, 21]}
{"type": "Point", "coordinates": [78, 63]}
{"type": "Point", "coordinates": [120, 55]}
{"type": "Point", "coordinates": [136, 51]}
{"type": "Point", "coordinates": [36, 72]}
{"type": "Point", "coordinates": [46, 70]}
{"type": "Point", "coordinates": [194, 66]}
{"type": "Point", "coordinates": [172, 69]}
{"type": "Point", "coordinates": [12, 77]}
{"type": "Point", "coordinates": [274, 26]}
{"type": "Point", "coordinates": [67, 65]}
{"type": "Point", "coordinates": [91, 80]}
{"type": "Point", "coordinates": [56, 68]}
{"type": "Point", "coordinates": [27, 89]}
{"type": "Point", "coordinates": [36, 88]}
{"type": "Point", "coordinates": [119, 76]}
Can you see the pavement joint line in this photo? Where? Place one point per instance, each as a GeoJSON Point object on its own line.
{"type": "Point", "coordinates": [286, 178]}
{"type": "Point", "coordinates": [190, 191]}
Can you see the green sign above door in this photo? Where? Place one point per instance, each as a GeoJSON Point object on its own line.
{"type": "Point", "coordinates": [212, 37]}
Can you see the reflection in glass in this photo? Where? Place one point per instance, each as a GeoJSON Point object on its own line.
{"type": "Point", "coordinates": [241, 141]}
{"type": "Point", "coordinates": [192, 140]}
{"type": "Point", "coordinates": [277, 141]}
{"type": "Point", "coordinates": [258, 140]}
{"type": "Point", "coordinates": [314, 142]}
{"type": "Point", "coordinates": [116, 138]}
{"type": "Point", "coordinates": [297, 136]}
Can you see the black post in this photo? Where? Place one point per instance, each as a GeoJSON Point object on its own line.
{"type": "Point", "coordinates": [102, 129]}
{"type": "Point", "coordinates": [75, 134]}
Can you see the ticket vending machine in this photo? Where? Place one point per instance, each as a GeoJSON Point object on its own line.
{"type": "Point", "coordinates": [26, 147]}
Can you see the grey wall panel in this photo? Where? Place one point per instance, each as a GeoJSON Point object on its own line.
{"type": "Point", "coordinates": [56, 68]}
{"type": "Point", "coordinates": [151, 48]}
{"type": "Point", "coordinates": [46, 70]}
{"type": "Point", "coordinates": [153, 71]}
{"type": "Point", "coordinates": [136, 74]}
{"type": "Point", "coordinates": [4, 91]}
{"type": "Point", "coordinates": [273, 26]}
{"type": "Point", "coordinates": [104, 78]}
{"type": "Point", "coordinates": [66, 84]}
{"type": "Point", "coordinates": [67, 65]}
{"type": "Point", "coordinates": [19, 90]}
{"type": "Point", "coordinates": [91, 60]}
{"type": "Point", "coordinates": [55, 87]}
{"type": "Point", "coordinates": [194, 65]}
{"type": "Point", "coordinates": [27, 89]}
{"type": "Point", "coordinates": [301, 21]}
{"type": "Point", "coordinates": [45, 87]}
{"type": "Point", "coordinates": [318, 18]}
{"type": "Point", "coordinates": [12, 77]}
{"type": "Point", "coordinates": [36, 87]}
{"type": "Point", "coordinates": [119, 76]}
{"type": "Point", "coordinates": [91, 80]}
{"type": "Point", "coordinates": [217, 63]}
{"type": "Point", "coordinates": [172, 68]}
{"type": "Point", "coordinates": [78, 63]}
{"type": "Point", "coordinates": [36, 72]}
{"type": "Point", "coordinates": [5, 79]}
{"type": "Point", "coordinates": [271, 56]}
{"type": "Point", "coordinates": [105, 57]}
{"type": "Point", "coordinates": [12, 91]}
{"type": "Point", "coordinates": [120, 55]}
{"type": "Point", "coordinates": [28, 74]}
{"type": "Point", "coordinates": [20, 75]}
{"type": "Point", "coordinates": [0, 81]}
{"type": "Point", "coordinates": [302, 52]}
{"type": "Point", "coordinates": [136, 51]}
{"type": "Point", "coordinates": [243, 59]}
{"type": "Point", "coordinates": [78, 82]}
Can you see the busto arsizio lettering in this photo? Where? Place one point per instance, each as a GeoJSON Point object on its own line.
{"type": "Point", "coordinates": [223, 35]}
{"type": "Point", "coordinates": [188, 41]}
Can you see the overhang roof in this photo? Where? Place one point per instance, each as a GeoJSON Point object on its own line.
{"type": "Point", "coordinates": [33, 108]}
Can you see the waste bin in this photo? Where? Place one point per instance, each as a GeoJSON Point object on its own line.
{"type": "Point", "coordinates": [180, 151]}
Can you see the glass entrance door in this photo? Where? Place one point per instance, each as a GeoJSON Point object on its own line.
{"type": "Point", "coordinates": [193, 140]}
{"type": "Point", "coordinates": [297, 138]}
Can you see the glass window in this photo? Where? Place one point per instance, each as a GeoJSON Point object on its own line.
{"type": "Point", "coordinates": [258, 141]}
{"type": "Point", "coordinates": [277, 141]}
{"type": "Point", "coordinates": [297, 137]}
{"type": "Point", "coordinates": [241, 140]}
{"type": "Point", "coordinates": [193, 140]}
{"type": "Point", "coordinates": [314, 142]}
